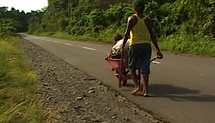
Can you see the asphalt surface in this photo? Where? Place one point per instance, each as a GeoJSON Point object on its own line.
{"type": "Point", "coordinates": [181, 90]}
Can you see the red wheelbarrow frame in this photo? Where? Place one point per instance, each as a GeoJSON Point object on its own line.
{"type": "Point", "coordinates": [121, 68]}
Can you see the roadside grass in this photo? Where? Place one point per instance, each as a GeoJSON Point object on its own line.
{"type": "Point", "coordinates": [86, 37]}
{"type": "Point", "coordinates": [188, 44]}
{"type": "Point", "coordinates": [19, 102]}
{"type": "Point", "coordinates": [180, 43]}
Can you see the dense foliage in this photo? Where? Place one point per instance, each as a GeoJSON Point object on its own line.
{"type": "Point", "coordinates": [18, 83]}
{"type": "Point", "coordinates": [79, 17]}
{"type": "Point", "coordinates": [99, 19]}
{"type": "Point", "coordinates": [12, 21]}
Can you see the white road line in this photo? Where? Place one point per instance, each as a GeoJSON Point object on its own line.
{"type": "Point", "coordinates": [88, 48]}
{"type": "Point", "coordinates": [55, 41]}
{"type": "Point", "coordinates": [156, 62]}
{"type": "Point", "coordinates": [67, 44]}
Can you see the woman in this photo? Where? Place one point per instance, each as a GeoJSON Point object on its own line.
{"type": "Point", "coordinates": [139, 28]}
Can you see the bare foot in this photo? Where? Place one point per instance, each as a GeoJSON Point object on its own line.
{"type": "Point", "coordinates": [117, 75]}
{"type": "Point", "coordinates": [145, 94]}
{"type": "Point", "coordinates": [135, 91]}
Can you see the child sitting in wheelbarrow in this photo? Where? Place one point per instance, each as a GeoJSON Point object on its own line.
{"type": "Point", "coordinates": [116, 53]}
{"type": "Point", "coordinates": [116, 50]}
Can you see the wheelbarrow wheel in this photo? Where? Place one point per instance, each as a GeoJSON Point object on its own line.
{"type": "Point", "coordinates": [124, 83]}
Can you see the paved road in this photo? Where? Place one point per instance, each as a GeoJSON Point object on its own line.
{"type": "Point", "coordinates": [181, 90]}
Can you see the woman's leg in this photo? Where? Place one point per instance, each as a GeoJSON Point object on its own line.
{"type": "Point", "coordinates": [145, 61]}
{"type": "Point", "coordinates": [145, 84]}
{"type": "Point", "coordinates": [133, 57]}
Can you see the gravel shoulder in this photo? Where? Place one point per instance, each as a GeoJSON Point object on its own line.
{"type": "Point", "coordinates": [69, 95]}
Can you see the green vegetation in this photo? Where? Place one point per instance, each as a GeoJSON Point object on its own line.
{"type": "Point", "coordinates": [191, 44]}
{"type": "Point", "coordinates": [18, 85]}
{"type": "Point", "coordinates": [6, 27]}
{"type": "Point", "coordinates": [13, 20]}
{"type": "Point", "coordinates": [176, 21]}
{"type": "Point", "coordinates": [19, 102]}
{"type": "Point", "coordinates": [181, 26]}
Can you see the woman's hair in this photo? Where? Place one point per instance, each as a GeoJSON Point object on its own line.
{"type": "Point", "coordinates": [117, 37]}
{"type": "Point", "coordinates": [138, 5]}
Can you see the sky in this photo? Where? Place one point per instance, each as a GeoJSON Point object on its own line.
{"type": "Point", "coordinates": [26, 5]}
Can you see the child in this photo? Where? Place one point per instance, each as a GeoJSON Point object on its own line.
{"type": "Point", "coordinates": [115, 52]}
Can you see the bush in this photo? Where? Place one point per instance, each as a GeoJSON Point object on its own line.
{"type": "Point", "coordinates": [191, 44]}
{"type": "Point", "coordinates": [18, 85]}
{"type": "Point", "coordinates": [7, 27]}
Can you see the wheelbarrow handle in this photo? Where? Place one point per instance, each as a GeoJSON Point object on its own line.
{"type": "Point", "coordinates": [153, 58]}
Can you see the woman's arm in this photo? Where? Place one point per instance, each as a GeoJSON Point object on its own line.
{"type": "Point", "coordinates": [132, 21]}
{"type": "Point", "coordinates": [149, 25]}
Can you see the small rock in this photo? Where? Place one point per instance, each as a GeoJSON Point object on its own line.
{"type": "Point", "coordinates": [91, 91]}
{"type": "Point", "coordinates": [114, 117]}
{"type": "Point", "coordinates": [45, 84]}
{"type": "Point", "coordinates": [74, 93]}
{"type": "Point", "coordinates": [84, 121]}
{"type": "Point", "coordinates": [92, 88]}
{"type": "Point", "coordinates": [115, 94]}
{"type": "Point", "coordinates": [77, 107]}
{"type": "Point", "coordinates": [126, 119]}
{"type": "Point", "coordinates": [84, 95]}
{"type": "Point", "coordinates": [88, 79]}
{"type": "Point", "coordinates": [79, 98]}
{"type": "Point", "coordinates": [135, 111]}
{"type": "Point", "coordinates": [96, 120]}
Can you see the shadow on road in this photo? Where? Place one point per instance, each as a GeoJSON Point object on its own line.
{"type": "Point", "coordinates": [179, 93]}
{"type": "Point", "coordinates": [129, 85]}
